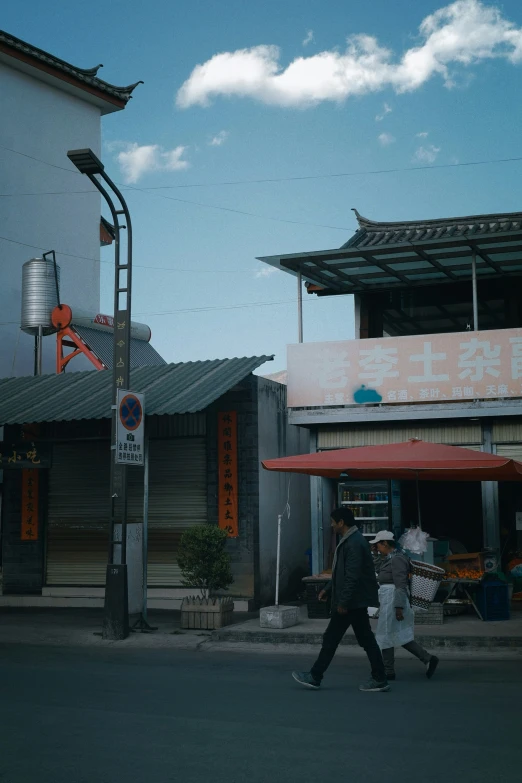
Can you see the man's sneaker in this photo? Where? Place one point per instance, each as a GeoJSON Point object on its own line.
{"type": "Point", "coordinates": [372, 686]}
{"type": "Point", "coordinates": [432, 665]}
{"type": "Point", "coordinates": [391, 676]}
{"type": "Point", "coordinates": [306, 679]}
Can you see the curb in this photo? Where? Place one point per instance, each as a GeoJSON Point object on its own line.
{"type": "Point", "coordinates": [471, 643]}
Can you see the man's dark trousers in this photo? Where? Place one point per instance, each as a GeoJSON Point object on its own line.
{"type": "Point", "coordinates": [337, 627]}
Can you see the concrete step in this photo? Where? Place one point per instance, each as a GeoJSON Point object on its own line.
{"type": "Point", "coordinates": [469, 634]}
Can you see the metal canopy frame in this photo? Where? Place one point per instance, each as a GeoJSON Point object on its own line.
{"type": "Point", "coordinates": [365, 269]}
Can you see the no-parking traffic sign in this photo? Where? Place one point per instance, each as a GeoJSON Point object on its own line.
{"type": "Point", "coordinates": [130, 428]}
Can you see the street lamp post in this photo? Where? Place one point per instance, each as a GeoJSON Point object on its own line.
{"type": "Point", "coordinates": [116, 615]}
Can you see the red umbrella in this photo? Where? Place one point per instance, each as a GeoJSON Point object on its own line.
{"type": "Point", "coordinates": [412, 459]}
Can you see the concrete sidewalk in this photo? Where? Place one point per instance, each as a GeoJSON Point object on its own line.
{"type": "Point", "coordinates": [466, 633]}
{"type": "Point", "coordinates": [458, 637]}
{"type": "Point", "coordinates": [82, 628]}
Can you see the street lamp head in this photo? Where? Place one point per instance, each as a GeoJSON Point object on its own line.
{"type": "Point", "coordinates": [86, 161]}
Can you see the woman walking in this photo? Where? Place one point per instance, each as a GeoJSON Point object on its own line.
{"type": "Point", "coordinates": [395, 624]}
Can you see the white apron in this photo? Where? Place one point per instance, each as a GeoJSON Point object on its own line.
{"type": "Point", "coordinates": [390, 631]}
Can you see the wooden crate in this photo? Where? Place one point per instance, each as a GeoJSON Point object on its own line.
{"type": "Point", "coordinates": [206, 614]}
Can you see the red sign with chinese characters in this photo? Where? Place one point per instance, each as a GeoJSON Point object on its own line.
{"type": "Point", "coordinates": [227, 473]}
{"type": "Point", "coordinates": [30, 479]}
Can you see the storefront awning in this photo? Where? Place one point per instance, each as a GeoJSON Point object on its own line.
{"type": "Point", "coordinates": [170, 389]}
{"type": "Point", "coordinates": [413, 459]}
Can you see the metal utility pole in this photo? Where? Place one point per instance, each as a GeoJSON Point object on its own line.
{"type": "Point", "coordinates": [116, 616]}
{"type": "Point", "coordinates": [474, 285]}
{"type": "Point", "coordinates": [300, 307]}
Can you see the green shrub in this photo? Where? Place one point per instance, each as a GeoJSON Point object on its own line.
{"type": "Point", "coordinates": [203, 561]}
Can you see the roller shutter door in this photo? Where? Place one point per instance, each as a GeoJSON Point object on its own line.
{"type": "Point", "coordinates": [177, 501]}
{"type": "Point", "coordinates": [345, 436]}
{"type": "Point", "coordinates": [77, 539]}
{"type": "Point", "coordinates": [511, 450]}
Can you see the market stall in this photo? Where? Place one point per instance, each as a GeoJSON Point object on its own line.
{"type": "Point", "coordinates": [468, 579]}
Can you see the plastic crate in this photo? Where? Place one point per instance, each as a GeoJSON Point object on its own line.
{"type": "Point", "coordinates": [317, 610]}
{"type": "Point", "coordinates": [492, 599]}
{"type": "Point", "coordinates": [432, 616]}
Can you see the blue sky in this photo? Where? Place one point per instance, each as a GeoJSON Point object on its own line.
{"type": "Point", "coordinates": [397, 97]}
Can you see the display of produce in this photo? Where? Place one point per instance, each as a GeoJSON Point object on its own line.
{"type": "Point", "coordinates": [468, 574]}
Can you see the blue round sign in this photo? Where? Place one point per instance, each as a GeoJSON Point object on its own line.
{"type": "Point", "coordinates": [131, 412]}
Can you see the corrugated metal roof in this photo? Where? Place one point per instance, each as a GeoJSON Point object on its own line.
{"type": "Point", "coordinates": [186, 387]}
{"type": "Point", "coordinates": [102, 344]}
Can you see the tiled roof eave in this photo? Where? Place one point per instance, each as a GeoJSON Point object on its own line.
{"type": "Point", "coordinates": [387, 235]}
{"type": "Point", "coordinates": [84, 78]}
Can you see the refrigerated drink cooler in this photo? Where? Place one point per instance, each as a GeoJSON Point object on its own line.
{"type": "Point", "coordinates": [370, 503]}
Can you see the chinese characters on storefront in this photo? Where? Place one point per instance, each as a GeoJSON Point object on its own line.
{"type": "Point", "coordinates": [228, 473]}
{"type": "Point", "coordinates": [425, 368]}
{"type": "Point", "coordinates": [25, 454]}
{"type": "Point", "coordinates": [30, 481]}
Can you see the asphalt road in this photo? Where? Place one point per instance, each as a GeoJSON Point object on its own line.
{"type": "Point", "coordinates": [153, 716]}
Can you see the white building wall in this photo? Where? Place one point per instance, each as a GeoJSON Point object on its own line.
{"type": "Point", "coordinates": [43, 122]}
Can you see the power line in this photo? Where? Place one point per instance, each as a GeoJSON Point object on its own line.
{"type": "Point", "coordinates": [179, 200]}
{"type": "Point", "coordinates": [39, 160]}
{"type": "Point", "coordinates": [338, 175]}
{"type": "Point", "coordinates": [241, 212]}
{"type": "Point", "coordinates": [140, 266]}
{"type": "Point", "coordinates": [335, 175]}
{"type": "Point", "coordinates": [214, 308]}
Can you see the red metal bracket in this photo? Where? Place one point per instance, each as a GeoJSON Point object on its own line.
{"type": "Point", "coordinates": [61, 318]}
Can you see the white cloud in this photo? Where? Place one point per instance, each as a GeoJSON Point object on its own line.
{"type": "Point", "coordinates": [385, 139]}
{"type": "Point", "coordinates": [464, 33]}
{"type": "Point", "coordinates": [309, 38]}
{"type": "Point", "coordinates": [219, 139]}
{"type": "Point", "coordinates": [265, 271]}
{"type": "Point", "coordinates": [386, 109]}
{"type": "Point", "coordinates": [426, 154]}
{"type": "Point", "coordinates": [136, 160]}
{"type": "Point", "coordinates": [422, 135]}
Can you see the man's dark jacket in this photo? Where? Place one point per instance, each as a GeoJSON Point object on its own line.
{"type": "Point", "coordinates": [354, 584]}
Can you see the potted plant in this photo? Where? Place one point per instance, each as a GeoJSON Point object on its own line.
{"type": "Point", "coordinates": [205, 564]}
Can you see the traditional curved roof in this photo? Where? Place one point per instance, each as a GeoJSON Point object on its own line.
{"type": "Point", "coordinates": [372, 233]}
{"type": "Point", "coordinates": [84, 78]}
{"type": "Point", "coordinates": [384, 256]}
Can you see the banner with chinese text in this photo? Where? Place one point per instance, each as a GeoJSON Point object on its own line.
{"type": "Point", "coordinates": [228, 473]}
{"type": "Point", "coordinates": [25, 454]}
{"type": "Point", "coordinates": [421, 368]}
{"type": "Point", "coordinates": [30, 480]}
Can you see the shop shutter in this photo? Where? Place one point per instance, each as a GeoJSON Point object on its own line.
{"type": "Point", "coordinates": [510, 450]}
{"type": "Point", "coordinates": [507, 430]}
{"type": "Point", "coordinates": [77, 540]}
{"type": "Point", "coordinates": [177, 501]}
{"type": "Point", "coordinates": [346, 436]}
{"type": "Point", "coordinates": [77, 532]}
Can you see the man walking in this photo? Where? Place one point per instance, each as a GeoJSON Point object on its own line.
{"type": "Point", "coordinates": [353, 588]}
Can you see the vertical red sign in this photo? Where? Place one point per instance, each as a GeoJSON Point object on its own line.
{"type": "Point", "coordinates": [29, 531]}
{"type": "Point", "coordinates": [227, 473]}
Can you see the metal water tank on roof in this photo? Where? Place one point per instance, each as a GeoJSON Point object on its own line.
{"type": "Point", "coordinates": [39, 295]}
